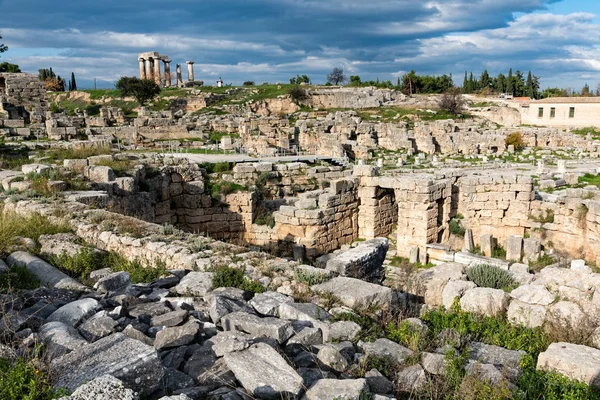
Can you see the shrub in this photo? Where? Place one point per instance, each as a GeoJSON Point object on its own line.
{"type": "Point", "coordinates": [249, 83]}
{"type": "Point", "coordinates": [452, 101]}
{"type": "Point", "coordinates": [297, 94]}
{"type": "Point", "coordinates": [456, 228]}
{"type": "Point", "coordinates": [142, 89]}
{"type": "Point", "coordinates": [490, 276]}
{"type": "Point", "coordinates": [138, 272]}
{"type": "Point", "coordinates": [18, 277]}
{"type": "Point", "coordinates": [544, 217]}
{"type": "Point", "coordinates": [23, 380]}
{"type": "Point", "coordinates": [515, 139]}
{"type": "Point", "coordinates": [234, 277]}
{"type": "Point", "coordinates": [13, 225]}
{"type": "Point", "coordinates": [311, 278]}
{"type": "Point", "coordinates": [80, 265]}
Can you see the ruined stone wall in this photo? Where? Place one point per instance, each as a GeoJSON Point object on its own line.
{"type": "Point", "coordinates": [319, 222]}
{"type": "Point", "coordinates": [369, 97]}
{"type": "Point", "coordinates": [574, 228]}
{"type": "Point", "coordinates": [495, 204]}
{"type": "Point", "coordinates": [23, 96]}
{"type": "Point", "coordinates": [378, 212]}
{"type": "Point", "coordinates": [285, 179]}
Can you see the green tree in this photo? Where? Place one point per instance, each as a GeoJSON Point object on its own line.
{"type": "Point", "coordinates": [3, 47]}
{"type": "Point", "coordinates": [452, 100]}
{"type": "Point", "coordinates": [510, 85]}
{"type": "Point", "coordinates": [500, 83]}
{"type": "Point", "coordinates": [519, 84]}
{"type": "Point", "coordinates": [336, 77]}
{"type": "Point", "coordinates": [585, 91]}
{"type": "Point", "coordinates": [484, 80]}
{"type": "Point", "coordinates": [8, 67]}
{"type": "Point", "coordinates": [73, 81]}
{"type": "Point", "coordinates": [529, 86]}
{"type": "Point", "coordinates": [143, 90]}
{"type": "Point", "coordinates": [355, 80]}
{"type": "Point", "coordinates": [465, 86]}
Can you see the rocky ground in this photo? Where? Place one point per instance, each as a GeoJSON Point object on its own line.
{"type": "Point", "coordinates": [296, 331]}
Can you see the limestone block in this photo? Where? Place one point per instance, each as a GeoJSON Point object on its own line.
{"type": "Point", "coordinates": [99, 174]}
{"type": "Point", "coordinates": [577, 362]}
{"type": "Point", "coordinates": [487, 244]}
{"type": "Point", "coordinates": [362, 262]}
{"type": "Point", "coordinates": [514, 247]}
{"type": "Point", "coordinates": [485, 301]}
{"type": "Point", "coordinates": [525, 314]}
{"type": "Point", "coordinates": [531, 250]}
{"type": "Point", "coordinates": [355, 293]}
{"type": "Point", "coordinates": [455, 289]}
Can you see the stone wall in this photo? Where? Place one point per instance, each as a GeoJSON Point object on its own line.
{"type": "Point", "coordinates": [23, 96]}
{"type": "Point", "coordinates": [339, 97]}
{"type": "Point", "coordinates": [574, 228]}
{"type": "Point", "coordinates": [319, 222]}
{"type": "Point", "coordinates": [496, 204]}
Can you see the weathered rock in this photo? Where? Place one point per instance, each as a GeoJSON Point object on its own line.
{"type": "Point", "coordinates": [195, 284]}
{"type": "Point", "coordinates": [177, 336]}
{"type": "Point", "coordinates": [60, 338]}
{"type": "Point", "coordinates": [268, 303]}
{"type": "Point", "coordinates": [386, 348]}
{"type": "Point", "coordinates": [506, 360]}
{"type": "Point", "coordinates": [485, 301]}
{"type": "Point", "coordinates": [411, 379]}
{"type": "Point", "coordinates": [430, 283]}
{"type": "Point", "coordinates": [533, 294]}
{"type": "Point", "coordinates": [347, 389]}
{"type": "Point", "coordinates": [362, 262]}
{"type": "Point", "coordinates": [73, 313]}
{"type": "Point", "coordinates": [312, 375]}
{"type": "Point", "coordinates": [526, 314]}
{"type": "Point", "coordinates": [574, 361]}
{"type": "Point", "coordinates": [275, 328]}
{"type": "Point", "coordinates": [303, 312]}
{"type": "Point", "coordinates": [355, 293]}
{"type": "Point", "coordinates": [133, 333]}
{"type": "Point", "coordinates": [514, 248]}
{"type": "Point", "coordinates": [223, 305]}
{"type": "Point", "coordinates": [487, 244]}
{"type": "Point", "coordinates": [113, 282]}
{"type": "Point", "coordinates": [105, 387]}
{"type": "Point", "coordinates": [342, 330]}
{"type": "Point", "coordinates": [169, 319]}
{"type": "Point", "coordinates": [378, 383]}
{"type": "Point", "coordinates": [567, 315]}
{"type": "Point", "coordinates": [531, 250]}
{"type": "Point", "coordinates": [453, 290]}
{"type": "Point", "coordinates": [433, 363]}
{"type": "Point", "coordinates": [97, 327]}
{"type": "Point", "coordinates": [270, 376]}
{"type": "Point", "coordinates": [332, 358]}
{"type": "Point", "coordinates": [484, 372]}
{"type": "Point", "coordinates": [129, 360]}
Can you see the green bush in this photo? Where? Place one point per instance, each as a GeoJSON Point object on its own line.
{"type": "Point", "coordinates": [235, 277]}
{"type": "Point", "coordinates": [297, 94]}
{"type": "Point", "coordinates": [138, 272]}
{"type": "Point", "coordinates": [490, 276]}
{"type": "Point", "coordinates": [80, 265]}
{"type": "Point", "coordinates": [18, 277]}
{"type": "Point", "coordinates": [515, 139]}
{"type": "Point", "coordinates": [21, 380]}
{"type": "Point", "coordinates": [311, 278]}
{"type": "Point", "coordinates": [456, 228]}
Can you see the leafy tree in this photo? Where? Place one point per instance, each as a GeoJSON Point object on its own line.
{"type": "Point", "coordinates": [553, 92]}
{"type": "Point", "coordinates": [355, 80]}
{"type": "Point", "coordinates": [297, 94]}
{"type": "Point", "coordinates": [46, 73]}
{"type": "Point", "coordinates": [249, 83]}
{"type": "Point", "coordinates": [485, 80]}
{"type": "Point", "coordinates": [300, 79]}
{"type": "Point", "coordinates": [413, 83]}
{"type": "Point", "coordinates": [8, 67]}
{"type": "Point", "coordinates": [73, 82]}
{"type": "Point", "coordinates": [56, 84]}
{"type": "Point", "coordinates": [519, 84]}
{"type": "Point", "coordinates": [3, 47]}
{"type": "Point", "coordinates": [336, 77]}
{"type": "Point", "coordinates": [500, 83]}
{"type": "Point", "coordinates": [452, 100]}
{"type": "Point", "coordinates": [143, 90]}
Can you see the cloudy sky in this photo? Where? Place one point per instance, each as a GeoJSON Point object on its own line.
{"type": "Point", "coordinates": [273, 40]}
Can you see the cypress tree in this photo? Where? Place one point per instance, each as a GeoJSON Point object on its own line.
{"type": "Point", "coordinates": [465, 84]}
{"type": "Point", "coordinates": [529, 86]}
{"type": "Point", "coordinates": [510, 85]}
{"type": "Point", "coordinates": [73, 82]}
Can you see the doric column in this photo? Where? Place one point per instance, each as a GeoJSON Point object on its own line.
{"type": "Point", "coordinates": [157, 71]}
{"type": "Point", "coordinates": [190, 65]}
{"type": "Point", "coordinates": [167, 73]}
{"type": "Point", "coordinates": [142, 69]}
{"type": "Point", "coordinates": [179, 77]}
{"type": "Point", "coordinates": [149, 70]}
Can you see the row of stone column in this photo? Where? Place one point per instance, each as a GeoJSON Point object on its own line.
{"type": "Point", "coordinates": [150, 69]}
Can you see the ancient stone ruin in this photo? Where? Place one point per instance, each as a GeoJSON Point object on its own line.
{"type": "Point", "coordinates": [233, 246]}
